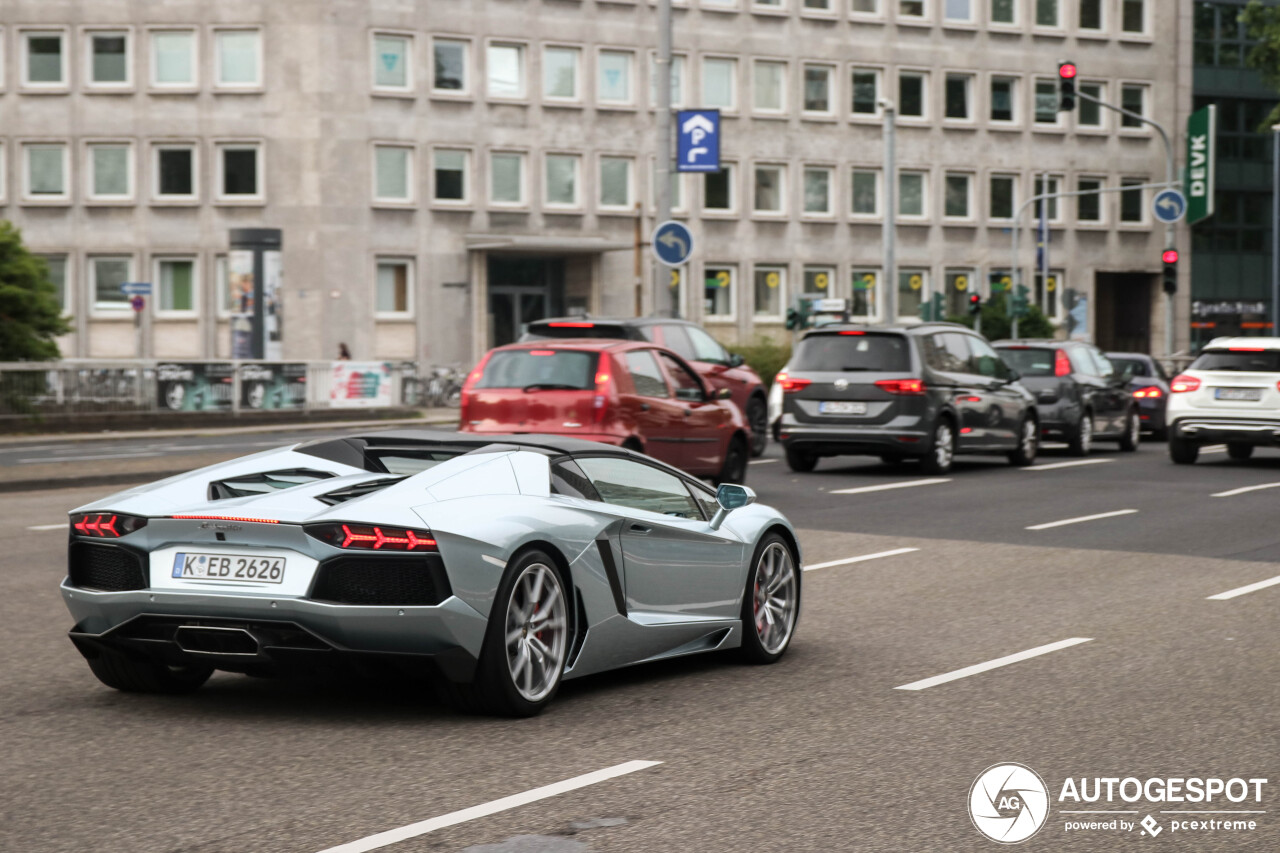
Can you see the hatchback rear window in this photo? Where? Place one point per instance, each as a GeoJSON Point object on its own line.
{"type": "Point", "coordinates": [1139, 367]}
{"type": "Point", "coordinates": [575, 329]}
{"type": "Point", "coordinates": [848, 352]}
{"type": "Point", "coordinates": [540, 369]}
{"type": "Point", "coordinates": [1259, 361]}
{"type": "Point", "coordinates": [1030, 362]}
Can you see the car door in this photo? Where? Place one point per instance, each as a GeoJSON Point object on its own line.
{"type": "Point", "coordinates": [947, 355]}
{"type": "Point", "coordinates": [705, 420]}
{"type": "Point", "coordinates": [658, 416]}
{"type": "Point", "coordinates": [1115, 391]}
{"type": "Point", "coordinates": [675, 567]}
{"type": "Point", "coordinates": [1090, 387]}
{"type": "Point", "coordinates": [1009, 403]}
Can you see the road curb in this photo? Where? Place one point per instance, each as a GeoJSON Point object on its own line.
{"type": "Point", "coordinates": [123, 478]}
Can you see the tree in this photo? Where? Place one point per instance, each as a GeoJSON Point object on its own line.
{"type": "Point", "coordinates": [30, 316]}
{"type": "Point", "coordinates": [996, 324]}
{"type": "Point", "coordinates": [1263, 26]}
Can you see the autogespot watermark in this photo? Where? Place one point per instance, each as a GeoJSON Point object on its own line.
{"type": "Point", "coordinates": [1010, 802]}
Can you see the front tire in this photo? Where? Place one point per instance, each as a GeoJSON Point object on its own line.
{"type": "Point", "coordinates": [942, 452]}
{"type": "Point", "coordinates": [771, 602]}
{"type": "Point", "coordinates": [758, 419]}
{"type": "Point", "coordinates": [1183, 452]}
{"type": "Point", "coordinates": [141, 675]}
{"type": "Point", "coordinates": [800, 461]}
{"type": "Point", "coordinates": [1239, 452]}
{"type": "Point", "coordinates": [1081, 439]}
{"type": "Point", "coordinates": [1132, 432]}
{"type": "Point", "coordinates": [734, 469]}
{"type": "Point", "coordinates": [1028, 443]}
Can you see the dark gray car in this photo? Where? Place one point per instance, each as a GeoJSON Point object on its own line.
{"type": "Point", "coordinates": [927, 392]}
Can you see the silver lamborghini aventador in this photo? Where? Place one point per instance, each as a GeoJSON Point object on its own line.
{"type": "Point", "coordinates": [500, 565]}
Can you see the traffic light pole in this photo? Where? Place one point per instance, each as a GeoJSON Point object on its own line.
{"type": "Point", "coordinates": [663, 303]}
{"type": "Point", "coordinates": [890, 217]}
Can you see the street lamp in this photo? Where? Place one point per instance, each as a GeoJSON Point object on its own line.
{"type": "Point", "coordinates": [890, 221]}
{"type": "Point", "coordinates": [1275, 231]}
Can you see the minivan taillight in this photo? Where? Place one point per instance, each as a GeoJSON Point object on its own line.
{"type": "Point", "coordinates": [1061, 364]}
{"type": "Point", "coordinates": [468, 386]}
{"type": "Point", "coordinates": [1182, 383]}
{"type": "Point", "coordinates": [904, 387]}
{"type": "Point", "coordinates": [790, 384]}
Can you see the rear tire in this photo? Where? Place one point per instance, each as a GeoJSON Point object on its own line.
{"type": "Point", "coordinates": [1028, 443]}
{"type": "Point", "coordinates": [140, 675]}
{"type": "Point", "coordinates": [1132, 432]}
{"type": "Point", "coordinates": [942, 451]}
{"type": "Point", "coordinates": [1183, 452]}
{"type": "Point", "coordinates": [771, 601]}
{"type": "Point", "coordinates": [1239, 452]}
{"type": "Point", "coordinates": [800, 461]}
{"type": "Point", "coordinates": [758, 419]}
{"type": "Point", "coordinates": [1081, 439]}
{"type": "Point", "coordinates": [734, 469]}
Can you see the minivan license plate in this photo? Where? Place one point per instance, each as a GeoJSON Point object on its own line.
{"type": "Point", "coordinates": [1252, 395]}
{"type": "Point", "coordinates": [228, 567]}
{"type": "Point", "coordinates": [841, 407]}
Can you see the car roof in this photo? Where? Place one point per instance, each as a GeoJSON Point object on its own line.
{"type": "Point", "coordinates": [585, 344]}
{"type": "Point", "coordinates": [1226, 343]}
{"type": "Point", "coordinates": [1142, 356]}
{"type": "Point", "coordinates": [1037, 342]}
{"type": "Point", "coordinates": [617, 321]}
{"type": "Point", "coordinates": [340, 449]}
{"type": "Point", "coordinates": [899, 328]}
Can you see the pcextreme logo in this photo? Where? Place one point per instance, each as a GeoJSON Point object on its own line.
{"type": "Point", "coordinates": [1008, 803]}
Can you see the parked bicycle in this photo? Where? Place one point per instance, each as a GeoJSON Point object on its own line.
{"type": "Point", "coordinates": [441, 387]}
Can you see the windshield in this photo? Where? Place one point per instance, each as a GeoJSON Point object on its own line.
{"type": "Point", "coordinates": [1029, 362]}
{"type": "Point", "coordinates": [1239, 358]}
{"type": "Point", "coordinates": [532, 369]}
{"type": "Point", "coordinates": [1135, 366]}
{"type": "Point", "coordinates": [881, 353]}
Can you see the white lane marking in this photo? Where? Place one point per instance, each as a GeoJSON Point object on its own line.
{"type": "Point", "coordinates": [413, 830]}
{"type": "Point", "coordinates": [1214, 448]}
{"type": "Point", "coordinates": [762, 462]}
{"type": "Point", "coordinates": [1243, 489]}
{"type": "Point", "coordinates": [886, 486]}
{"type": "Point", "coordinates": [1243, 590]}
{"type": "Point", "coordinates": [62, 526]}
{"type": "Point", "coordinates": [88, 458]}
{"type": "Point", "coordinates": [848, 560]}
{"type": "Point", "coordinates": [1077, 463]}
{"type": "Point", "coordinates": [993, 664]}
{"type": "Point", "coordinates": [1067, 521]}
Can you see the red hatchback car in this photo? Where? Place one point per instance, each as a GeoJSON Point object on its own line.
{"type": "Point", "coordinates": [626, 393]}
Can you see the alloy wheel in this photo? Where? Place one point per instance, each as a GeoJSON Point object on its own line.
{"type": "Point", "coordinates": [537, 632]}
{"type": "Point", "coordinates": [1030, 439]}
{"type": "Point", "coordinates": [1086, 433]}
{"type": "Point", "coordinates": [943, 448]}
{"type": "Point", "coordinates": [774, 597]}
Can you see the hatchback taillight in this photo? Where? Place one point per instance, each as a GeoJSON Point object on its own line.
{"type": "Point", "coordinates": [1182, 383]}
{"type": "Point", "coordinates": [791, 384]}
{"type": "Point", "coordinates": [1061, 364]}
{"type": "Point", "coordinates": [605, 389]}
{"type": "Point", "coordinates": [905, 387]}
{"type": "Point", "coordinates": [371, 537]}
{"type": "Point", "coordinates": [105, 525]}
{"type": "Point", "coordinates": [1148, 393]}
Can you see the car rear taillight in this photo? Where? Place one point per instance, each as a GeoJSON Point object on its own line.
{"type": "Point", "coordinates": [790, 384]}
{"type": "Point", "coordinates": [371, 537]}
{"type": "Point", "coordinates": [1149, 393]}
{"type": "Point", "coordinates": [1182, 383]}
{"type": "Point", "coordinates": [1061, 364]}
{"type": "Point", "coordinates": [572, 325]}
{"type": "Point", "coordinates": [468, 387]}
{"type": "Point", "coordinates": [905, 387]}
{"type": "Point", "coordinates": [605, 389]}
{"type": "Point", "coordinates": [105, 525]}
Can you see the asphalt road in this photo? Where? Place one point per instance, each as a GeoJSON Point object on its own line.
{"type": "Point", "coordinates": [821, 752]}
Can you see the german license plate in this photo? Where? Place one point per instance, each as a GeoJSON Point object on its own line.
{"type": "Point", "coordinates": [228, 567]}
{"type": "Point", "coordinates": [841, 407]}
{"type": "Point", "coordinates": [1249, 394]}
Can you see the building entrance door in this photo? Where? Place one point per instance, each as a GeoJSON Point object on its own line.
{"type": "Point", "coordinates": [1122, 318]}
{"type": "Point", "coordinates": [522, 290]}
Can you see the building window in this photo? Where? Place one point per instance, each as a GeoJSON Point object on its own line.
{"type": "Point", "coordinates": [770, 189]}
{"type": "Point", "coordinates": [769, 85]}
{"type": "Point", "coordinates": [504, 68]}
{"type": "Point", "coordinates": [1089, 114]}
{"type": "Point", "coordinates": [862, 292]}
{"type": "Point", "coordinates": [562, 180]}
{"type": "Point", "coordinates": [1003, 196]}
{"type": "Point", "coordinates": [960, 11]}
{"type": "Point", "coordinates": [1089, 207]}
{"type": "Point", "coordinates": [109, 59]}
{"type": "Point", "coordinates": [819, 5]}
{"type": "Point", "coordinates": [506, 178]}
{"type": "Point", "coordinates": [616, 183]}
{"type": "Point", "coordinates": [718, 190]}
{"type": "Point", "coordinates": [960, 284]}
{"type": "Point", "coordinates": [57, 266]}
{"type": "Point", "coordinates": [956, 189]}
{"type": "Point", "coordinates": [912, 191]}
{"type": "Point", "coordinates": [560, 73]}
{"type": "Point", "coordinates": [451, 166]}
{"type": "Point", "coordinates": [175, 286]}
{"type": "Point", "coordinates": [392, 63]}
{"type": "Point", "coordinates": [865, 87]}
{"type": "Point", "coordinates": [1047, 291]}
{"type": "Point", "coordinates": [240, 172]}
{"type": "Point", "coordinates": [718, 78]}
{"type": "Point", "coordinates": [393, 296]}
{"type": "Point", "coordinates": [1049, 187]}
{"type": "Point", "coordinates": [1132, 210]}
{"type": "Point", "coordinates": [614, 86]}
{"type": "Point", "coordinates": [913, 285]}
{"type": "Point", "coordinates": [1046, 102]}
{"type": "Point", "coordinates": [174, 172]}
{"type": "Point", "coordinates": [770, 291]}
{"type": "Point", "coordinates": [912, 8]}
{"type": "Point", "coordinates": [1048, 14]}
{"type": "Point", "coordinates": [677, 81]}
{"type": "Point", "coordinates": [911, 94]}
{"type": "Point", "coordinates": [865, 192]}
{"type": "Point", "coordinates": [1004, 99]}
{"type": "Point", "coordinates": [817, 191]}
{"type": "Point", "coordinates": [173, 59]}
{"type": "Point", "coordinates": [45, 167]}
{"type": "Point", "coordinates": [1134, 99]}
{"type": "Point", "coordinates": [718, 292]}
{"type": "Point", "coordinates": [449, 65]}
{"type": "Point", "coordinates": [393, 173]}
{"type": "Point", "coordinates": [817, 89]}
{"type": "Point", "coordinates": [1220, 38]}
{"type": "Point", "coordinates": [110, 172]}
{"type": "Point", "coordinates": [1133, 16]}
{"type": "Point", "coordinates": [1004, 12]}
{"type": "Point", "coordinates": [819, 280]}
{"type": "Point", "coordinates": [959, 89]}
{"type": "Point", "coordinates": [1091, 15]}
{"type": "Point", "coordinates": [865, 7]}
{"type": "Point", "coordinates": [106, 274]}
{"type": "Point", "coordinates": [44, 60]}
{"type": "Point", "coordinates": [238, 57]}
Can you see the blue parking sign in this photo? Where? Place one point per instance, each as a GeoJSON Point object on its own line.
{"type": "Point", "coordinates": [698, 141]}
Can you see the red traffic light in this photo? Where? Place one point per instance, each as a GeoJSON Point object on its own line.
{"type": "Point", "coordinates": [1170, 256]}
{"type": "Point", "coordinates": [1067, 70]}
{"type": "Point", "coordinates": [974, 299]}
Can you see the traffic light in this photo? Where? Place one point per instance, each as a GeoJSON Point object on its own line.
{"type": "Point", "coordinates": [1067, 85]}
{"type": "Point", "coordinates": [1170, 274]}
{"type": "Point", "coordinates": [934, 309]}
{"type": "Point", "coordinates": [798, 317]}
{"type": "Point", "coordinates": [975, 305]}
{"type": "Point", "coordinates": [1021, 304]}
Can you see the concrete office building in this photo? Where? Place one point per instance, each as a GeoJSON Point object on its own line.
{"type": "Point", "coordinates": [443, 170]}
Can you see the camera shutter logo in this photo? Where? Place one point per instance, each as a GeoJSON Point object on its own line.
{"type": "Point", "coordinates": [1008, 803]}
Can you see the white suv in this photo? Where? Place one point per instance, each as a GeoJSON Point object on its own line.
{"type": "Point", "coordinates": [1231, 394]}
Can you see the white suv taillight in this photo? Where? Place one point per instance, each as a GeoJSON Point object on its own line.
{"type": "Point", "coordinates": [1182, 383]}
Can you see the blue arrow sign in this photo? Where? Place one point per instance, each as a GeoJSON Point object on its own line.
{"type": "Point", "coordinates": [136, 288]}
{"type": "Point", "coordinates": [672, 243]}
{"type": "Point", "coordinates": [698, 141]}
{"type": "Point", "coordinates": [1169, 206]}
